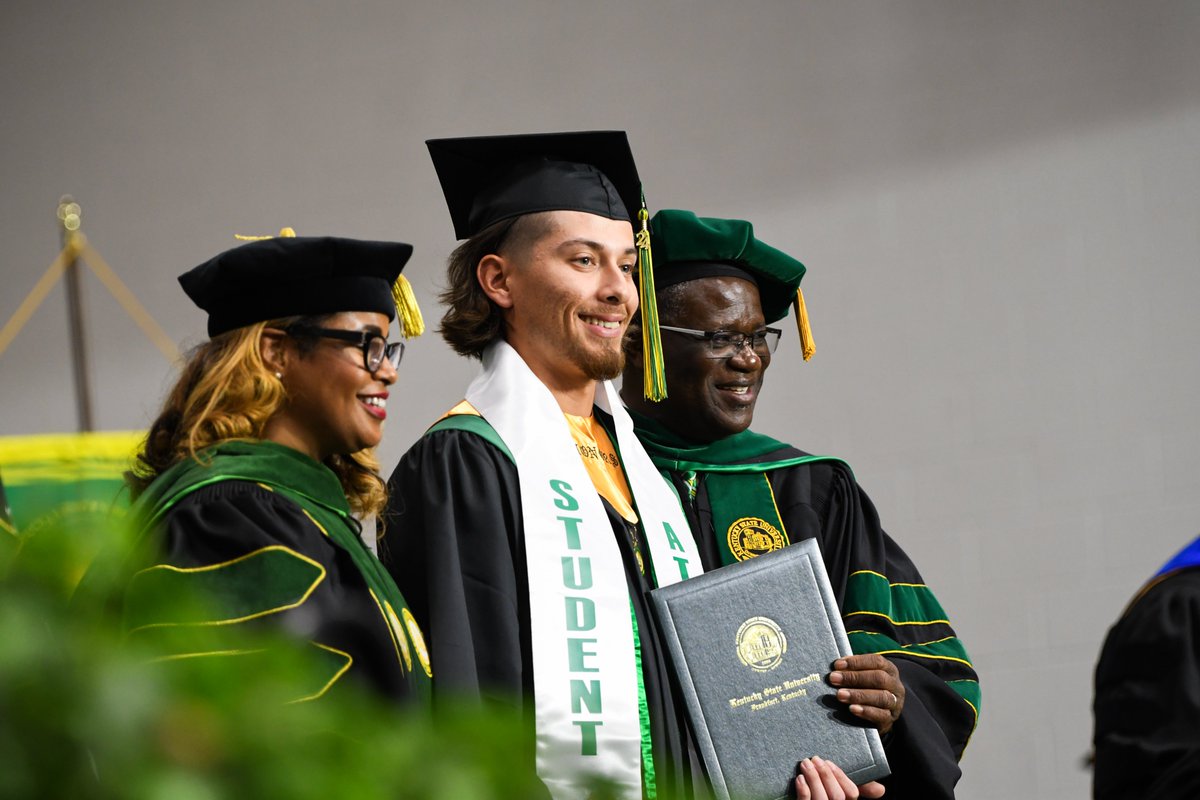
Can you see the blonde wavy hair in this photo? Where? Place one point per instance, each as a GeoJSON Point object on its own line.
{"type": "Point", "coordinates": [227, 393]}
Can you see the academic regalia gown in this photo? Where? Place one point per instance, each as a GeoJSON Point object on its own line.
{"type": "Point", "coordinates": [456, 548]}
{"type": "Point", "coordinates": [822, 500]}
{"type": "Point", "coordinates": [265, 533]}
{"type": "Point", "coordinates": [1147, 706]}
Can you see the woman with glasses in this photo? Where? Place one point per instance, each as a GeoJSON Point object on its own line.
{"type": "Point", "coordinates": [253, 476]}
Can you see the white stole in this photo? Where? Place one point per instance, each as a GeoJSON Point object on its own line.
{"type": "Point", "coordinates": [585, 678]}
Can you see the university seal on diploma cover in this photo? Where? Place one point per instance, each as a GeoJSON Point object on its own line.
{"type": "Point", "coordinates": [751, 644]}
{"type": "Point", "coordinates": [761, 644]}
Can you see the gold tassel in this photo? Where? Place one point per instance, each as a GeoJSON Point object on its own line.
{"type": "Point", "coordinates": [654, 378]}
{"type": "Point", "coordinates": [284, 233]}
{"type": "Point", "coordinates": [412, 324]}
{"type": "Point", "coordinates": [807, 347]}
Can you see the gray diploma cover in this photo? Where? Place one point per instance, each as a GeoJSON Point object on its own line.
{"type": "Point", "coordinates": [751, 645]}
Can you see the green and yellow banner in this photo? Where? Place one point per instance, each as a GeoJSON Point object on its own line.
{"type": "Point", "coordinates": [67, 482]}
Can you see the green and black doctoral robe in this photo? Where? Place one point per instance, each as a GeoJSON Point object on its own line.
{"type": "Point", "coordinates": [748, 494]}
{"type": "Point", "coordinates": [456, 547]}
{"type": "Point", "coordinates": [264, 535]}
{"type": "Point", "coordinates": [1147, 704]}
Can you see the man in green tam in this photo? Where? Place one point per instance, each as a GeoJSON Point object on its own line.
{"type": "Point", "coordinates": [746, 494]}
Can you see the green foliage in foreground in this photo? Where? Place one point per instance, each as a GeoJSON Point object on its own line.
{"type": "Point", "coordinates": [85, 714]}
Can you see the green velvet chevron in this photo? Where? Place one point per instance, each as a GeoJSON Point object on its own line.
{"type": "Point", "coordinates": [257, 584]}
{"type": "Point", "coordinates": [871, 594]}
{"type": "Point", "coordinates": [906, 619]}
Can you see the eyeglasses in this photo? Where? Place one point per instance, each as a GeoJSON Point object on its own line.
{"type": "Point", "coordinates": [375, 347]}
{"type": "Point", "coordinates": [726, 344]}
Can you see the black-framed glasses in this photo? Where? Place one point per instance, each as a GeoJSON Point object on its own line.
{"type": "Point", "coordinates": [375, 346]}
{"type": "Point", "coordinates": [726, 344]}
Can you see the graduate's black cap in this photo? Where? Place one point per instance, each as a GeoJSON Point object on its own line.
{"type": "Point", "coordinates": [688, 247]}
{"type": "Point", "coordinates": [296, 275]}
{"type": "Point", "coordinates": [487, 179]}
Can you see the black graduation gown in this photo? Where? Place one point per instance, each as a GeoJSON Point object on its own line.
{"type": "Point", "coordinates": [822, 500]}
{"type": "Point", "coordinates": [1147, 704]}
{"type": "Point", "coordinates": [454, 543]}
{"type": "Point", "coordinates": [228, 520]}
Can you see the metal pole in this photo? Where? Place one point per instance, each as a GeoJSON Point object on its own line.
{"type": "Point", "coordinates": [69, 216]}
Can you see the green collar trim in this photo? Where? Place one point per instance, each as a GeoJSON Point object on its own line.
{"type": "Point", "coordinates": [275, 465]}
{"type": "Point", "coordinates": [670, 451]}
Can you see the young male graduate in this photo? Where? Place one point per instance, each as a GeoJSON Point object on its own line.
{"type": "Point", "coordinates": [746, 494]}
{"type": "Point", "coordinates": [527, 525]}
{"type": "Point", "coordinates": [1148, 690]}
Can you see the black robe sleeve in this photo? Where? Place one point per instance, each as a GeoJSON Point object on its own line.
{"type": "Point", "coordinates": [1147, 704]}
{"type": "Point", "coordinates": [925, 744]}
{"type": "Point", "coordinates": [452, 543]}
{"type": "Point", "coordinates": [822, 500]}
{"type": "Point", "coordinates": [230, 520]}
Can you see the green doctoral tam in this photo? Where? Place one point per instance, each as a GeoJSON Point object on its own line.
{"type": "Point", "coordinates": [688, 247]}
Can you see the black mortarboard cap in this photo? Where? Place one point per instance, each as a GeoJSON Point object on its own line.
{"type": "Point", "coordinates": [293, 276]}
{"type": "Point", "coordinates": [487, 179]}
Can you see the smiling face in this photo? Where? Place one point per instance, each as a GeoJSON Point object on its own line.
{"type": "Point", "coordinates": [567, 296]}
{"type": "Point", "coordinates": [710, 398]}
{"type": "Point", "coordinates": [334, 405]}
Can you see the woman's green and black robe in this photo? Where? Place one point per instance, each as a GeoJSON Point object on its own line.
{"type": "Point", "coordinates": [263, 535]}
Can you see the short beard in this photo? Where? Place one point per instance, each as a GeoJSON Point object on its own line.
{"type": "Point", "coordinates": [602, 366]}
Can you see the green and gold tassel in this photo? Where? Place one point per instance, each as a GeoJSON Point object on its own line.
{"type": "Point", "coordinates": [412, 324]}
{"type": "Point", "coordinates": [654, 378]}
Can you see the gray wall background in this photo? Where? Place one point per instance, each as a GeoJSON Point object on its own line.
{"type": "Point", "coordinates": [999, 204]}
